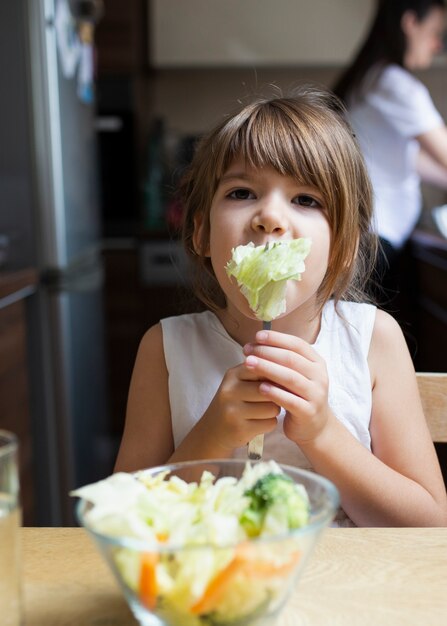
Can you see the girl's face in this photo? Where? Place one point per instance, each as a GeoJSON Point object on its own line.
{"type": "Point", "coordinates": [424, 38]}
{"type": "Point", "coordinates": [262, 205]}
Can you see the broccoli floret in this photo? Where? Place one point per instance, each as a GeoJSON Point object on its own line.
{"type": "Point", "coordinates": [274, 491]}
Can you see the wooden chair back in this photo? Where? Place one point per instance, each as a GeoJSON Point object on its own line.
{"type": "Point", "coordinates": [433, 391]}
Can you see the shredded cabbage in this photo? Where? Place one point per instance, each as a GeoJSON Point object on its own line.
{"type": "Point", "coordinates": [167, 512]}
{"type": "Point", "coordinates": [262, 273]}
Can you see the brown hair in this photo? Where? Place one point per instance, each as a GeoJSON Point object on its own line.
{"type": "Point", "coordinates": [304, 136]}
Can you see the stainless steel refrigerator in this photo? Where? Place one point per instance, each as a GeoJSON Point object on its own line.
{"type": "Point", "coordinates": [55, 121]}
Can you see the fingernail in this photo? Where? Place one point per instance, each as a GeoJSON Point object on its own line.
{"type": "Point", "coordinates": [261, 335]}
{"type": "Point", "coordinates": [248, 348]}
{"type": "Point", "coordinates": [265, 387]}
{"type": "Point", "coordinates": [251, 361]}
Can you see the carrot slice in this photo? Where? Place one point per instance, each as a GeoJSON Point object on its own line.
{"type": "Point", "coordinates": [148, 580]}
{"type": "Point", "coordinates": [217, 586]}
{"type": "Point", "coordinates": [245, 562]}
{"type": "Point", "coordinates": [263, 569]}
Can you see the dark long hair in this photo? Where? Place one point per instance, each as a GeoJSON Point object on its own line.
{"type": "Point", "coordinates": [384, 44]}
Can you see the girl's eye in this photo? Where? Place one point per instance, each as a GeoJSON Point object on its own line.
{"type": "Point", "coordinates": [241, 194]}
{"type": "Point", "coordinates": [307, 201]}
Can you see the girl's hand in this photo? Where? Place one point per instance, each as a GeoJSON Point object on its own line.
{"type": "Point", "coordinates": [293, 376]}
{"type": "Point", "coordinates": [239, 411]}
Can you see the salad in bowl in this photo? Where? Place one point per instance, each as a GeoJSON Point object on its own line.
{"type": "Point", "coordinates": [207, 543]}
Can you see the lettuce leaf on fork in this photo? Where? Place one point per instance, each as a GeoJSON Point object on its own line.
{"type": "Point", "coordinates": [262, 273]}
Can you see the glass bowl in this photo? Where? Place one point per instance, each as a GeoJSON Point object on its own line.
{"type": "Point", "coordinates": [251, 579]}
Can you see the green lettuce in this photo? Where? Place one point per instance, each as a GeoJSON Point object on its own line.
{"type": "Point", "coordinates": [262, 273]}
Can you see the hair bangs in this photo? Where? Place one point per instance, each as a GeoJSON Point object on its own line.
{"type": "Point", "coordinates": [272, 137]}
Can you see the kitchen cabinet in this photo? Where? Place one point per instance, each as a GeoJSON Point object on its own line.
{"type": "Point", "coordinates": [141, 287]}
{"type": "Point", "coordinates": [15, 287]}
{"type": "Point", "coordinates": [124, 324]}
{"type": "Point", "coordinates": [429, 253]}
{"type": "Point", "coordinates": [120, 37]}
{"type": "Point", "coordinates": [204, 33]}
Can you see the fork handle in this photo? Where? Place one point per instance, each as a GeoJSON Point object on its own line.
{"type": "Point", "coordinates": [256, 445]}
{"type": "Point", "coordinates": [255, 448]}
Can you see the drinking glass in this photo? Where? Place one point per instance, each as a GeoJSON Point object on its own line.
{"type": "Point", "coordinates": [10, 520]}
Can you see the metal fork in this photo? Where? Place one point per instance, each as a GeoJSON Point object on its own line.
{"type": "Point", "coordinates": [256, 445]}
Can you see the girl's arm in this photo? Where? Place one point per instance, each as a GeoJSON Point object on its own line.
{"type": "Point", "coordinates": [400, 484]}
{"type": "Point", "coordinates": [147, 439]}
{"type": "Point", "coordinates": [235, 415]}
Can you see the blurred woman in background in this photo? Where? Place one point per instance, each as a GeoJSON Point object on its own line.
{"type": "Point", "coordinates": [401, 133]}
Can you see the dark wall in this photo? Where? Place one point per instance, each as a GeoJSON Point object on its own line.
{"type": "Point", "coordinates": [15, 149]}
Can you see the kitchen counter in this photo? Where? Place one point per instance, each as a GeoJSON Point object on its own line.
{"type": "Point", "coordinates": [355, 577]}
{"type": "Point", "coordinates": [428, 238]}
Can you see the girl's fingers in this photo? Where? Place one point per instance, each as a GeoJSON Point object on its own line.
{"type": "Point", "coordinates": [244, 390]}
{"type": "Point", "coordinates": [290, 352]}
{"type": "Point", "coordinates": [246, 374]}
{"type": "Point", "coordinates": [260, 411]}
{"type": "Point", "coordinates": [254, 402]}
{"type": "Point", "coordinates": [261, 427]}
{"type": "Point", "coordinates": [285, 358]}
{"type": "Point", "coordinates": [291, 402]}
{"type": "Point", "coordinates": [286, 342]}
{"type": "Point", "coordinates": [283, 375]}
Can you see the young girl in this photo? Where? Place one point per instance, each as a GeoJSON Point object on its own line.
{"type": "Point", "coordinates": [332, 385]}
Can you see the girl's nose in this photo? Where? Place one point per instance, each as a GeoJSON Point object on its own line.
{"type": "Point", "coordinates": [270, 218]}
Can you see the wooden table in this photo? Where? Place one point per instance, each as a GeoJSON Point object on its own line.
{"type": "Point", "coordinates": [355, 577]}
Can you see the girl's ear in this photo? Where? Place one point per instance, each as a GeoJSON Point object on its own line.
{"type": "Point", "coordinates": [197, 238]}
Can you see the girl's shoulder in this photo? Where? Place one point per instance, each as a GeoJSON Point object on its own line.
{"type": "Point", "coordinates": [361, 318]}
{"type": "Point", "coordinates": [348, 312]}
{"type": "Point", "coordinates": [188, 321]}
{"type": "Point", "coordinates": [195, 330]}
{"type": "Point", "coordinates": [388, 346]}
{"type": "Point", "coordinates": [387, 334]}
{"type": "Point", "coordinates": [345, 322]}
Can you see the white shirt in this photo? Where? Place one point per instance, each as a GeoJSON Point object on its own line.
{"type": "Point", "coordinates": [198, 351]}
{"type": "Point", "coordinates": [386, 121]}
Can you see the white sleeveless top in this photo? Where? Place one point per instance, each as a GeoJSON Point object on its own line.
{"type": "Point", "coordinates": [198, 351]}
